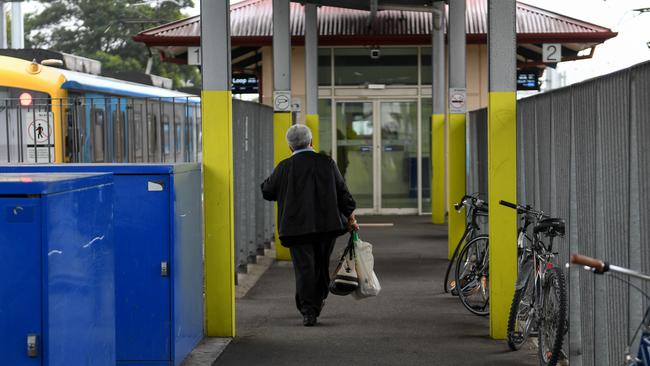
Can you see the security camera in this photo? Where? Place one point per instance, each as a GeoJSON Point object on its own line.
{"type": "Point", "coordinates": [375, 53]}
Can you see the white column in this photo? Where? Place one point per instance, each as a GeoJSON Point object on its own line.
{"type": "Point", "coordinates": [17, 26]}
{"type": "Point", "coordinates": [3, 26]}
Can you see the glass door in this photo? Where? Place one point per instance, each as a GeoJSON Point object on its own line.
{"type": "Point", "coordinates": [355, 139]}
{"type": "Point", "coordinates": [398, 152]}
{"type": "Point", "coordinates": [376, 151]}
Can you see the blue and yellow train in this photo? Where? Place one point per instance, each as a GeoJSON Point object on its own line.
{"type": "Point", "coordinates": [48, 114]}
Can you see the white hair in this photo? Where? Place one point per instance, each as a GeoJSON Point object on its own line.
{"type": "Point", "coordinates": [298, 137]}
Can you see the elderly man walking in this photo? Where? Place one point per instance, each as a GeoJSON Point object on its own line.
{"type": "Point", "coordinates": [314, 208]}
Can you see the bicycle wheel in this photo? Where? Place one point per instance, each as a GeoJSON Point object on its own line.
{"type": "Point", "coordinates": [452, 261]}
{"type": "Point", "coordinates": [472, 276]}
{"type": "Point", "coordinates": [552, 326]}
{"type": "Point", "coordinates": [521, 317]}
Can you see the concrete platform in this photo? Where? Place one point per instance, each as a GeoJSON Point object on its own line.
{"type": "Point", "coordinates": [412, 322]}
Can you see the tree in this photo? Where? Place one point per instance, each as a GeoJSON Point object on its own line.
{"type": "Point", "coordinates": [102, 30]}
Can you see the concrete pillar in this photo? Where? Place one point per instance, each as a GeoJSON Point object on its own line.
{"type": "Point", "coordinates": [281, 94]}
{"type": "Point", "coordinates": [218, 170]}
{"type": "Point", "coordinates": [17, 26]}
{"type": "Point", "coordinates": [456, 122]}
{"type": "Point", "coordinates": [438, 97]}
{"type": "Point", "coordinates": [502, 160]}
{"type": "Point", "coordinates": [311, 72]}
{"type": "Point", "coordinates": [3, 26]}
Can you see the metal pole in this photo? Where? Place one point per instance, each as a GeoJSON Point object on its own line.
{"type": "Point", "coordinates": [438, 97]}
{"type": "Point", "coordinates": [311, 72]}
{"type": "Point", "coordinates": [502, 160]}
{"type": "Point", "coordinates": [281, 93]}
{"type": "Point", "coordinates": [218, 175]}
{"type": "Point", "coordinates": [17, 26]}
{"type": "Point", "coordinates": [456, 123]}
{"type": "Point", "coordinates": [3, 26]}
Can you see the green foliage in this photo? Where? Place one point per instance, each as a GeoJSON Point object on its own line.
{"type": "Point", "coordinates": [103, 30]}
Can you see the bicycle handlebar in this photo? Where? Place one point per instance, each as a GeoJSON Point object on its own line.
{"type": "Point", "coordinates": [598, 265]}
{"type": "Point", "coordinates": [508, 204]}
{"type": "Point", "coordinates": [476, 202]}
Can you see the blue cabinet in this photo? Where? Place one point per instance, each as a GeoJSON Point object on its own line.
{"type": "Point", "coordinates": [158, 258]}
{"type": "Point", "coordinates": [57, 269]}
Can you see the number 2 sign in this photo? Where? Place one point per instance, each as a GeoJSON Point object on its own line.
{"type": "Point", "coordinates": [552, 52]}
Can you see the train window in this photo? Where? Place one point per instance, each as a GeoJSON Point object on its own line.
{"type": "Point", "coordinates": [166, 135]}
{"type": "Point", "coordinates": [178, 133]}
{"type": "Point", "coordinates": [137, 135]}
{"type": "Point", "coordinates": [118, 136]}
{"type": "Point", "coordinates": [152, 133]}
{"type": "Point", "coordinates": [97, 116]}
{"type": "Point", "coordinates": [189, 139]}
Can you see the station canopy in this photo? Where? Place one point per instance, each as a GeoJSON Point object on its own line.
{"type": "Point", "coordinates": [377, 23]}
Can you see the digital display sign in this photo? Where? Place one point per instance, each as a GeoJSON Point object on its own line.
{"type": "Point", "coordinates": [528, 79]}
{"type": "Point", "coordinates": [245, 83]}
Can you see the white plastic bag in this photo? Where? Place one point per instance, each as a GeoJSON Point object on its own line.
{"type": "Point", "coordinates": [365, 262]}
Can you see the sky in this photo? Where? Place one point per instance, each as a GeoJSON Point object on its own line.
{"type": "Point", "coordinates": [627, 49]}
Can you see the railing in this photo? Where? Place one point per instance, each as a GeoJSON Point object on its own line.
{"type": "Point", "coordinates": [583, 155]}
{"type": "Point", "coordinates": [253, 156]}
{"type": "Point", "coordinates": [101, 129]}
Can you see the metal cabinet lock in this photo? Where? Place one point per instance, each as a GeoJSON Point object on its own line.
{"type": "Point", "coordinates": [32, 345]}
{"type": "Point", "coordinates": [164, 269]}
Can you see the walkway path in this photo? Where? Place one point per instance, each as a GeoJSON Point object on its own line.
{"type": "Point", "coordinates": [411, 323]}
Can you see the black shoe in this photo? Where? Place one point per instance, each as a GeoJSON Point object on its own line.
{"type": "Point", "coordinates": [309, 320]}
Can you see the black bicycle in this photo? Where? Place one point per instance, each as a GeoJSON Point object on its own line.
{"type": "Point", "coordinates": [475, 208]}
{"type": "Point", "coordinates": [471, 259]}
{"type": "Point", "coordinates": [540, 299]}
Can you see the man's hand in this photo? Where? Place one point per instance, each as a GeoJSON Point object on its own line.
{"type": "Point", "coordinates": [352, 223]}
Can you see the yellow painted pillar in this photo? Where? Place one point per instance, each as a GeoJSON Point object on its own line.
{"type": "Point", "coordinates": [502, 178]}
{"type": "Point", "coordinates": [219, 220]}
{"type": "Point", "coordinates": [456, 178]}
{"type": "Point", "coordinates": [281, 123]}
{"type": "Point", "coordinates": [313, 123]}
{"type": "Point", "coordinates": [438, 168]}
{"type": "Point", "coordinates": [502, 160]}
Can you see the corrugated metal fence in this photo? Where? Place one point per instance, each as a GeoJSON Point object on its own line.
{"type": "Point", "coordinates": [583, 154]}
{"type": "Point", "coordinates": [253, 162]}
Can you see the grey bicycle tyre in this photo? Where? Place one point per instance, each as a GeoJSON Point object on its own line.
{"type": "Point", "coordinates": [515, 341]}
{"type": "Point", "coordinates": [554, 285]}
{"type": "Point", "coordinates": [461, 294]}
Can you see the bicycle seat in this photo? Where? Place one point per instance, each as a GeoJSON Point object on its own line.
{"type": "Point", "coordinates": [550, 227]}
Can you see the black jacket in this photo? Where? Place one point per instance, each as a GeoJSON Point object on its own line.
{"type": "Point", "coordinates": [312, 196]}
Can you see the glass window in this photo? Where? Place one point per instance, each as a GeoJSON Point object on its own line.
{"type": "Point", "coordinates": [427, 110]}
{"type": "Point", "coordinates": [324, 66]}
{"type": "Point", "coordinates": [393, 66]}
{"type": "Point", "coordinates": [98, 134]}
{"type": "Point", "coordinates": [166, 140]}
{"type": "Point", "coordinates": [325, 126]}
{"type": "Point", "coordinates": [426, 66]}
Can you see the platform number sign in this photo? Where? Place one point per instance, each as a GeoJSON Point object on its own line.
{"type": "Point", "coordinates": [194, 55]}
{"type": "Point", "coordinates": [552, 52]}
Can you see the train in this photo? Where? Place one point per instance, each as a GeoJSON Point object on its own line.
{"type": "Point", "coordinates": [53, 115]}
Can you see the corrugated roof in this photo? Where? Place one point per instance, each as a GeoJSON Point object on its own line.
{"type": "Point", "coordinates": [252, 24]}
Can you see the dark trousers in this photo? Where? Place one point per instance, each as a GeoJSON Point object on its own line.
{"type": "Point", "coordinates": [311, 259]}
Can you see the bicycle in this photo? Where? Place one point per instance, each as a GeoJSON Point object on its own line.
{"type": "Point", "coordinates": [475, 207]}
{"type": "Point", "coordinates": [598, 266]}
{"type": "Point", "coordinates": [540, 297]}
{"type": "Point", "coordinates": [471, 275]}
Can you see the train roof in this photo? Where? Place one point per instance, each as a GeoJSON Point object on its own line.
{"type": "Point", "coordinates": [100, 84]}
{"type": "Point", "coordinates": [14, 73]}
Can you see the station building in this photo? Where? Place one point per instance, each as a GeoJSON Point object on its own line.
{"type": "Point", "coordinates": [375, 75]}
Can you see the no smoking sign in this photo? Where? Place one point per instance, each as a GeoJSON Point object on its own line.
{"type": "Point", "coordinates": [457, 100]}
